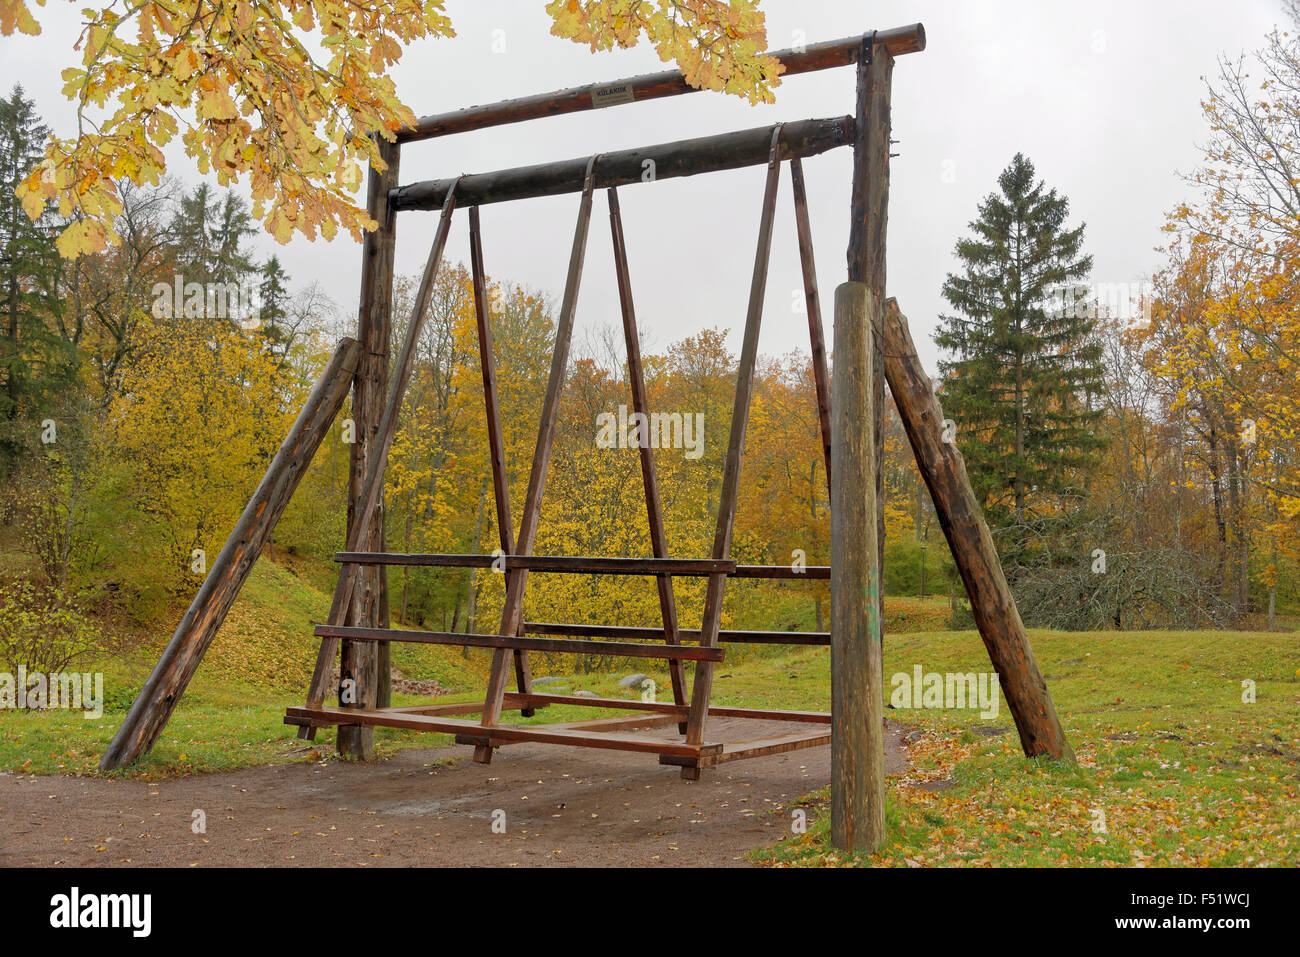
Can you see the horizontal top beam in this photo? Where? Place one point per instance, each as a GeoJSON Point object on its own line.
{"type": "Point", "coordinates": [704, 154]}
{"type": "Point", "coordinates": [649, 86]}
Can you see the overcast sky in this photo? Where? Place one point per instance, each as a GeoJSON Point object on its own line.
{"type": "Point", "coordinates": [1103, 97]}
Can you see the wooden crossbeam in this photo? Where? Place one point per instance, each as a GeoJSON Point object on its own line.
{"type": "Point", "coordinates": [578, 564]}
{"type": "Point", "coordinates": [595, 565]}
{"type": "Point", "coordinates": [759, 748]}
{"type": "Point", "coordinates": [663, 707]}
{"type": "Point", "coordinates": [819, 572]}
{"type": "Point", "coordinates": [705, 154]}
{"type": "Point", "coordinates": [541, 734]}
{"type": "Point", "coordinates": [811, 57]}
{"type": "Point", "coordinates": [669, 712]}
{"type": "Point", "coordinates": [594, 725]}
{"type": "Point", "coordinates": [685, 634]}
{"type": "Point", "coordinates": [563, 645]}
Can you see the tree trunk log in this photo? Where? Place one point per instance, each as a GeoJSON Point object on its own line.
{"type": "Point", "coordinates": [706, 154]}
{"type": "Point", "coordinates": [172, 674]}
{"type": "Point", "coordinates": [968, 536]}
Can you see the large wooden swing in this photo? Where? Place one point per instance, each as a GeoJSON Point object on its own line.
{"type": "Point", "coordinates": [872, 343]}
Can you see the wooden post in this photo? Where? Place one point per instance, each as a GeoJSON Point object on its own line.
{"type": "Point", "coordinates": [512, 611]}
{"type": "Point", "coordinates": [812, 302]}
{"type": "Point", "coordinates": [649, 479]}
{"type": "Point", "coordinates": [359, 660]}
{"type": "Point", "coordinates": [172, 674]}
{"type": "Point", "coordinates": [496, 444]}
{"type": "Point", "coordinates": [857, 684]}
{"type": "Point", "coordinates": [959, 514]}
{"type": "Point", "coordinates": [711, 620]}
{"type": "Point", "coordinates": [367, 506]}
{"type": "Point", "coordinates": [867, 228]}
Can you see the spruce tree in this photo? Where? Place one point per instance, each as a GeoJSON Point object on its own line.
{"type": "Point", "coordinates": [1025, 365]}
{"type": "Point", "coordinates": [274, 300]}
{"type": "Point", "coordinates": [35, 366]}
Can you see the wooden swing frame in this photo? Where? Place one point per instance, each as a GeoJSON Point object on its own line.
{"type": "Point", "coordinates": [872, 344]}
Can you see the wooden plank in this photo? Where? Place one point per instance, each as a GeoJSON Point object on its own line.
{"type": "Point", "coordinates": [808, 58]}
{"type": "Point", "coordinates": [594, 726]}
{"type": "Point", "coordinates": [649, 479]}
{"type": "Point", "coordinates": [576, 564]}
{"type": "Point", "coordinates": [857, 691]}
{"type": "Point", "coordinates": [663, 707]}
{"type": "Point", "coordinates": [707, 154]}
{"type": "Point", "coordinates": [779, 744]}
{"type": "Point", "coordinates": [728, 496]}
{"type": "Point", "coordinates": [770, 714]}
{"type": "Point", "coordinates": [539, 699]}
{"type": "Point", "coordinates": [685, 634]}
{"type": "Point", "coordinates": [202, 620]}
{"type": "Point", "coordinates": [362, 518]}
{"type": "Point", "coordinates": [563, 645]}
{"type": "Point", "coordinates": [962, 521]}
{"type": "Point", "coordinates": [819, 572]}
{"type": "Point", "coordinates": [496, 443]}
{"type": "Point", "coordinates": [456, 707]}
{"type": "Point", "coordinates": [812, 304]}
{"type": "Point", "coordinates": [539, 733]}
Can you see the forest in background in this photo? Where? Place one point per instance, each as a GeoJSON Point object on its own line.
{"type": "Point", "coordinates": [133, 435]}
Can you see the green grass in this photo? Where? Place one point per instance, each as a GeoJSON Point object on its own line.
{"type": "Point", "coordinates": [1185, 772]}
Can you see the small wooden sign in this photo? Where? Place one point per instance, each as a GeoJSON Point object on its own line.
{"type": "Point", "coordinates": [612, 95]}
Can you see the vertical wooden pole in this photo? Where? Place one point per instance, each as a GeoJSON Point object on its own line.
{"type": "Point", "coordinates": [812, 302]}
{"type": "Point", "coordinates": [496, 443]}
{"type": "Point", "coordinates": [867, 228]}
{"type": "Point", "coordinates": [368, 503]}
{"type": "Point", "coordinates": [857, 701]}
{"type": "Point", "coordinates": [512, 612]}
{"type": "Point", "coordinates": [711, 622]}
{"type": "Point", "coordinates": [640, 403]}
{"type": "Point", "coordinates": [359, 660]}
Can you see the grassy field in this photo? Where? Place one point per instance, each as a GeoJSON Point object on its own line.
{"type": "Point", "coordinates": [1174, 767]}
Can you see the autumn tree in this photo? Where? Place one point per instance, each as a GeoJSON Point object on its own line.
{"type": "Point", "coordinates": [249, 97]}
{"type": "Point", "coordinates": [1225, 336]}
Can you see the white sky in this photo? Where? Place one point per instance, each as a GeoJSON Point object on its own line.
{"type": "Point", "coordinates": [1103, 97]}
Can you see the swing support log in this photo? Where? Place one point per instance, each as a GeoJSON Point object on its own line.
{"type": "Point", "coordinates": [872, 344]}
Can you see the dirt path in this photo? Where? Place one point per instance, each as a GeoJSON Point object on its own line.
{"type": "Point", "coordinates": [566, 806]}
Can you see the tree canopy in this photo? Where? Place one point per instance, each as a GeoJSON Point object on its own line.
{"type": "Point", "coordinates": [244, 89]}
